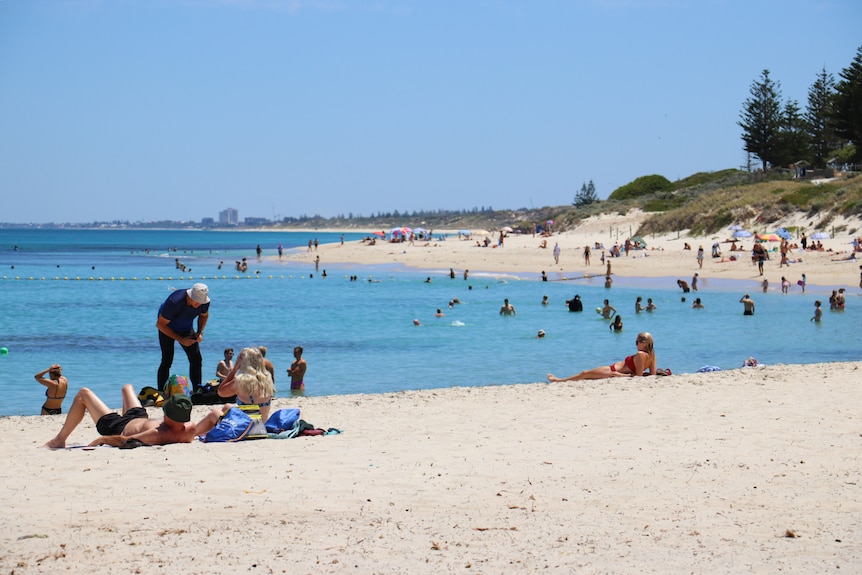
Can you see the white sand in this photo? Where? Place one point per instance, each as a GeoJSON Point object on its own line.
{"type": "Point", "coordinates": [695, 473]}
{"type": "Point", "coordinates": [664, 257]}
{"type": "Point", "coordinates": [702, 473]}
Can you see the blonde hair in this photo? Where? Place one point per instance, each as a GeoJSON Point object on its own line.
{"type": "Point", "coordinates": [646, 337]}
{"type": "Point", "coordinates": [252, 379]}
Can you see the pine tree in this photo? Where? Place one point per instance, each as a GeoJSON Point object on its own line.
{"type": "Point", "coordinates": [761, 119]}
{"type": "Point", "coordinates": [819, 119]}
{"type": "Point", "coordinates": [848, 104]}
{"type": "Point", "coordinates": [586, 196]}
{"type": "Point", "coordinates": [793, 138]}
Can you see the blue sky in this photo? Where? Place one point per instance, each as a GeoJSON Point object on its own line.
{"type": "Point", "coordinates": [147, 110]}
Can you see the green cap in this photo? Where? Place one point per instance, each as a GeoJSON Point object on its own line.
{"type": "Point", "coordinates": [178, 408]}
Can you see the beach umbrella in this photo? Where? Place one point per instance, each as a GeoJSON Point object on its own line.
{"type": "Point", "coordinates": [506, 229]}
{"type": "Point", "coordinates": [639, 240]}
{"type": "Point", "coordinates": [741, 234]}
{"type": "Point", "coordinates": [735, 227]}
{"type": "Point", "coordinates": [419, 230]}
{"type": "Point", "coordinates": [464, 232]}
{"type": "Point", "coordinates": [783, 234]}
{"type": "Point", "coordinates": [820, 236]}
{"type": "Point", "coordinates": [480, 232]}
{"type": "Point", "coordinates": [395, 232]}
{"type": "Point", "coordinates": [550, 222]}
{"type": "Point", "coordinates": [381, 234]}
{"type": "Point", "coordinates": [769, 238]}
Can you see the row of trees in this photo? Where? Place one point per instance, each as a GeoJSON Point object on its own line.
{"type": "Point", "coordinates": [780, 134]}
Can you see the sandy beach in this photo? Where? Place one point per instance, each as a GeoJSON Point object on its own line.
{"type": "Point", "coordinates": [751, 470]}
{"type": "Point", "coordinates": [663, 257]}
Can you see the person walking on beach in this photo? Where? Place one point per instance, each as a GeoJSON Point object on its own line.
{"type": "Point", "coordinates": [700, 257]}
{"type": "Point", "coordinates": [556, 253]}
{"type": "Point", "coordinates": [587, 255]}
{"type": "Point", "coordinates": [296, 371]}
{"type": "Point", "coordinates": [758, 252]}
{"type": "Point", "coordinates": [134, 423]}
{"type": "Point", "coordinates": [176, 323]}
{"type": "Point", "coordinates": [57, 385]}
{"type": "Point", "coordinates": [507, 309]}
{"type": "Point", "coordinates": [643, 362]}
{"type": "Point", "coordinates": [802, 283]}
{"type": "Point", "coordinates": [748, 305]}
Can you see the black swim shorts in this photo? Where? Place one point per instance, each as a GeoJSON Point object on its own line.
{"type": "Point", "coordinates": [114, 423]}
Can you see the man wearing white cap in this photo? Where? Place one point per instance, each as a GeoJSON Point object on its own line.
{"type": "Point", "coordinates": [176, 323]}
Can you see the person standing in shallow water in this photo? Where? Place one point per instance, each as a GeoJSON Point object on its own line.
{"type": "Point", "coordinates": [56, 385]}
{"type": "Point", "coordinates": [507, 309]}
{"type": "Point", "coordinates": [296, 371]}
{"type": "Point", "coordinates": [748, 305]}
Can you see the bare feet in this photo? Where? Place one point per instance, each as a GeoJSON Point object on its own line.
{"type": "Point", "coordinates": [552, 378]}
{"type": "Point", "coordinates": [55, 443]}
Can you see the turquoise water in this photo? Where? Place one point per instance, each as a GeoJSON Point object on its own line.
{"type": "Point", "coordinates": [359, 336]}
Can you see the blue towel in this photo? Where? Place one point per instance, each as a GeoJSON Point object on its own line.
{"type": "Point", "coordinates": [708, 368]}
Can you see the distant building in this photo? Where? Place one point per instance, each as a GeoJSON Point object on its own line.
{"type": "Point", "coordinates": [256, 221]}
{"type": "Point", "coordinates": [207, 222]}
{"type": "Point", "coordinates": [228, 217]}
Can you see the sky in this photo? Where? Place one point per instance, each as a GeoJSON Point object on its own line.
{"type": "Point", "coordinates": [150, 110]}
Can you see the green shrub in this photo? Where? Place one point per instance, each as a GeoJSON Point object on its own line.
{"type": "Point", "coordinates": [642, 186]}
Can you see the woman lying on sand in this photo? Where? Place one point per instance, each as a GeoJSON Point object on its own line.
{"type": "Point", "coordinates": [641, 363]}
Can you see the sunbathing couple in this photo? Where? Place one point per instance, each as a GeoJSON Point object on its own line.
{"type": "Point", "coordinates": [641, 363]}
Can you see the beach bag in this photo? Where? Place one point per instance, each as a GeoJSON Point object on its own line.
{"type": "Point", "coordinates": [178, 384]}
{"type": "Point", "coordinates": [233, 426]}
{"type": "Point", "coordinates": [150, 397]}
{"type": "Point", "coordinates": [282, 420]}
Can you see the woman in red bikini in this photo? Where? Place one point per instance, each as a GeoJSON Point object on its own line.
{"type": "Point", "coordinates": [641, 363]}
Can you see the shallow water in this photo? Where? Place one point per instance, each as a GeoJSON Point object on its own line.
{"type": "Point", "coordinates": [359, 336]}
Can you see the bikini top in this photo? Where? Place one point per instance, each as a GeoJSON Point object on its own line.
{"type": "Point", "coordinates": [48, 393]}
{"type": "Point", "coordinates": [630, 362]}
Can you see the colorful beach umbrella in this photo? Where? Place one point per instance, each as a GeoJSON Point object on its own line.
{"type": "Point", "coordinates": [769, 238]}
{"type": "Point", "coordinates": [381, 234]}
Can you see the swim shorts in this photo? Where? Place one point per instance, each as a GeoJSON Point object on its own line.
{"type": "Point", "coordinates": [297, 385]}
{"type": "Point", "coordinates": [114, 423]}
{"type": "Point", "coordinates": [748, 313]}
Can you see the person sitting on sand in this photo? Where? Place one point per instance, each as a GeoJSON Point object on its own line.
{"type": "Point", "coordinates": [133, 423]}
{"type": "Point", "coordinates": [641, 363]}
{"type": "Point", "coordinates": [250, 381]}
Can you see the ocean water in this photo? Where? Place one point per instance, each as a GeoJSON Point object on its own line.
{"type": "Point", "coordinates": [88, 299]}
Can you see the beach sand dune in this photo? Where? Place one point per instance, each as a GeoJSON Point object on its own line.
{"type": "Point", "coordinates": [742, 471]}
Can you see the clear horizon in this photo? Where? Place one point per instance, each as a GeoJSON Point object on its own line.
{"type": "Point", "coordinates": [168, 110]}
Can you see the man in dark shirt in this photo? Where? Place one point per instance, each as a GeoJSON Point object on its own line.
{"type": "Point", "coordinates": [176, 323]}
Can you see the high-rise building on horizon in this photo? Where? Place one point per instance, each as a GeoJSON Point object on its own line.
{"type": "Point", "coordinates": [229, 217]}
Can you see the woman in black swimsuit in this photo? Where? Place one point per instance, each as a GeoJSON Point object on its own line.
{"type": "Point", "coordinates": [56, 385]}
